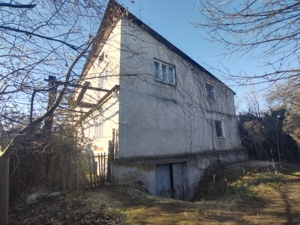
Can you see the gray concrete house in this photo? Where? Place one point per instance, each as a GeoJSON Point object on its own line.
{"type": "Point", "coordinates": [173, 118]}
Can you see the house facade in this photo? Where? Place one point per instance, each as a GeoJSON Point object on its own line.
{"type": "Point", "coordinates": [173, 118]}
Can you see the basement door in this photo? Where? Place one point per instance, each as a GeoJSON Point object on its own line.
{"type": "Point", "coordinates": [169, 180]}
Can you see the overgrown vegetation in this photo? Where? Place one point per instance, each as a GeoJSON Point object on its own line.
{"type": "Point", "coordinates": [237, 195]}
{"type": "Point", "coordinates": [45, 161]}
{"type": "Point", "coordinates": [266, 135]}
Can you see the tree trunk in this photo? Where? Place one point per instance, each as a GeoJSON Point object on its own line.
{"type": "Point", "coordinates": [278, 150]}
{"type": "Point", "coordinates": [4, 191]}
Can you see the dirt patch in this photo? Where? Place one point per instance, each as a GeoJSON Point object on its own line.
{"type": "Point", "coordinates": [250, 197]}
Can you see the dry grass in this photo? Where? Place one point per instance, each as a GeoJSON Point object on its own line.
{"type": "Point", "coordinates": [257, 197]}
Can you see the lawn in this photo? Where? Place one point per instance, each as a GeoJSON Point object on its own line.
{"type": "Point", "coordinates": [236, 196]}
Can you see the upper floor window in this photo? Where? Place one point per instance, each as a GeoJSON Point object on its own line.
{"type": "Point", "coordinates": [100, 59]}
{"type": "Point", "coordinates": [103, 79]}
{"type": "Point", "coordinates": [164, 72]}
{"type": "Point", "coordinates": [219, 128]}
{"type": "Point", "coordinates": [209, 91]}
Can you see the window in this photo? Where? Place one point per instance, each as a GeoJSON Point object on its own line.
{"type": "Point", "coordinates": [209, 91]}
{"type": "Point", "coordinates": [219, 128]}
{"type": "Point", "coordinates": [103, 79]}
{"type": "Point", "coordinates": [98, 130]}
{"type": "Point", "coordinates": [100, 59]}
{"type": "Point", "coordinates": [156, 70]}
{"type": "Point", "coordinates": [164, 72]}
{"type": "Point", "coordinates": [100, 82]}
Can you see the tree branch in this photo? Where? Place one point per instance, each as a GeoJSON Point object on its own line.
{"type": "Point", "coordinates": [6, 151]}
{"type": "Point", "coordinates": [31, 6]}
{"type": "Point", "coordinates": [10, 119]}
{"type": "Point", "coordinates": [40, 36]}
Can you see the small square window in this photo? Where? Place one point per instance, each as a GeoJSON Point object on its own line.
{"type": "Point", "coordinates": [209, 91]}
{"type": "Point", "coordinates": [219, 128]}
{"type": "Point", "coordinates": [100, 59]}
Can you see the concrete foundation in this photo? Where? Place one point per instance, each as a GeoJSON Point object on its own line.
{"type": "Point", "coordinates": [193, 167]}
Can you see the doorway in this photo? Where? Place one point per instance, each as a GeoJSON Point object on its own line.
{"type": "Point", "coordinates": [169, 180]}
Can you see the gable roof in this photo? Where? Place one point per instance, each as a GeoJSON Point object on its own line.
{"type": "Point", "coordinates": [114, 12]}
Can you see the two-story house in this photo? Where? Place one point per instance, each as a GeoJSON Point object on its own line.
{"type": "Point", "coordinates": [173, 118]}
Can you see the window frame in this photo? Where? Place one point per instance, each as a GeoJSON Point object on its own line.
{"type": "Point", "coordinates": [209, 91]}
{"type": "Point", "coordinates": [219, 126]}
{"type": "Point", "coordinates": [98, 129]}
{"type": "Point", "coordinates": [162, 72]}
{"type": "Point", "coordinates": [103, 79]}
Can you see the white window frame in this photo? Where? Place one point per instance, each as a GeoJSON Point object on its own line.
{"type": "Point", "coordinates": [162, 70]}
{"type": "Point", "coordinates": [98, 129]}
{"type": "Point", "coordinates": [219, 126]}
{"type": "Point", "coordinates": [209, 90]}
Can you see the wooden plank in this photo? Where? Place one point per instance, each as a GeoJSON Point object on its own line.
{"type": "Point", "coordinates": [90, 168]}
{"type": "Point", "coordinates": [82, 92]}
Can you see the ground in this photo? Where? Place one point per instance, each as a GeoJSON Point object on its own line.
{"type": "Point", "coordinates": [229, 194]}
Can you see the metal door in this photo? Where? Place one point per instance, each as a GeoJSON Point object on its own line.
{"type": "Point", "coordinates": [177, 172]}
{"type": "Point", "coordinates": [163, 180]}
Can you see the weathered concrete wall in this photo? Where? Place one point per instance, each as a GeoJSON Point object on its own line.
{"type": "Point", "coordinates": [144, 169]}
{"type": "Point", "coordinates": [159, 123]}
{"type": "Point", "coordinates": [158, 119]}
{"type": "Point", "coordinates": [104, 74]}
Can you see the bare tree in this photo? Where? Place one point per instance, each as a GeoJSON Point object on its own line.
{"type": "Point", "coordinates": [268, 31]}
{"type": "Point", "coordinates": [286, 96]}
{"type": "Point", "coordinates": [38, 39]}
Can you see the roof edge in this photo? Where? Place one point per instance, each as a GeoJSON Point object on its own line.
{"type": "Point", "coordinates": [113, 13]}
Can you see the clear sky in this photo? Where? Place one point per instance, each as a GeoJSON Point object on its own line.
{"type": "Point", "coordinates": [173, 20]}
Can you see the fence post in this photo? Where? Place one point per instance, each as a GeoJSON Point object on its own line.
{"type": "Point", "coordinates": [109, 159]}
{"type": "Point", "coordinates": [95, 172]}
{"type": "Point", "coordinates": [113, 143]}
{"type": "Point", "coordinates": [90, 168]}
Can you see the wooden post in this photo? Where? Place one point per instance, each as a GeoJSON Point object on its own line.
{"type": "Point", "coordinates": [90, 168]}
{"type": "Point", "coordinates": [4, 190]}
{"type": "Point", "coordinates": [114, 143]}
{"type": "Point", "coordinates": [102, 169]}
{"type": "Point", "coordinates": [104, 164]}
{"type": "Point", "coordinates": [109, 159]}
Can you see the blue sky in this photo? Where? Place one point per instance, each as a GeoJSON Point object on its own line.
{"type": "Point", "coordinates": [173, 20]}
